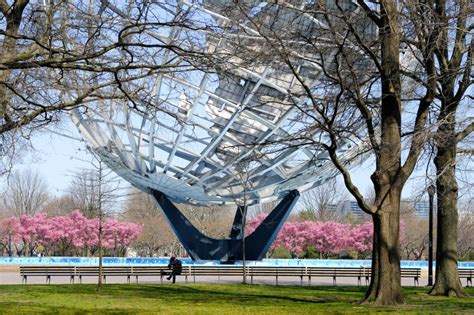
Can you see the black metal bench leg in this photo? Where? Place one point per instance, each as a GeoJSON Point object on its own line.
{"type": "Point", "coordinates": [71, 279]}
{"type": "Point", "coordinates": [334, 280]}
{"type": "Point", "coordinates": [48, 279]}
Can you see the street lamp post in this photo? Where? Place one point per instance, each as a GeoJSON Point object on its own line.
{"type": "Point", "coordinates": [431, 192]}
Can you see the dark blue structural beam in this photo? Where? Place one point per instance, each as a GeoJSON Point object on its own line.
{"type": "Point", "coordinates": [202, 247]}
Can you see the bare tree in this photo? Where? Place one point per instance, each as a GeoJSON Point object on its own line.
{"type": "Point", "coordinates": [453, 50]}
{"type": "Point", "coordinates": [157, 236]}
{"type": "Point", "coordinates": [241, 188]}
{"type": "Point", "coordinates": [213, 221]}
{"type": "Point", "coordinates": [261, 208]}
{"type": "Point", "coordinates": [96, 191]}
{"type": "Point", "coordinates": [26, 193]}
{"type": "Point", "coordinates": [466, 232]}
{"type": "Point", "coordinates": [57, 55]}
{"type": "Point", "coordinates": [84, 192]}
{"type": "Point", "coordinates": [320, 203]}
{"type": "Point", "coordinates": [61, 205]}
{"type": "Point", "coordinates": [364, 80]}
{"type": "Point", "coordinates": [414, 240]}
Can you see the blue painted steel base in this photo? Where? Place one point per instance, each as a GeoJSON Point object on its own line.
{"type": "Point", "coordinates": [202, 247]}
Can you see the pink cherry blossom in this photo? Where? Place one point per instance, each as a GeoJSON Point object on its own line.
{"type": "Point", "coordinates": [63, 235]}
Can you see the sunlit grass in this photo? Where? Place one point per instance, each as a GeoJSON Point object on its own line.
{"type": "Point", "coordinates": [212, 299]}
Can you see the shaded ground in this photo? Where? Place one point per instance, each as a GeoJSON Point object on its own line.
{"type": "Point", "coordinates": [212, 299]}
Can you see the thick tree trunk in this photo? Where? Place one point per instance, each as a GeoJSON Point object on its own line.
{"type": "Point", "coordinates": [447, 278]}
{"type": "Point", "coordinates": [374, 279]}
{"type": "Point", "coordinates": [385, 285]}
{"type": "Point", "coordinates": [385, 282]}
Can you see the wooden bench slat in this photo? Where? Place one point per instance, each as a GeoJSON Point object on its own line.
{"type": "Point", "coordinates": [196, 271]}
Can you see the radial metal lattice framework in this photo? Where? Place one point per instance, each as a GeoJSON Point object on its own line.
{"type": "Point", "coordinates": [209, 141]}
{"type": "Point", "coordinates": [215, 137]}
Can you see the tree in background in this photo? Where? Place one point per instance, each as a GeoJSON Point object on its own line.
{"type": "Point", "coordinates": [26, 193]}
{"type": "Point", "coordinates": [93, 188]}
{"type": "Point", "coordinates": [453, 45]}
{"type": "Point", "coordinates": [95, 191]}
{"type": "Point", "coordinates": [320, 203]}
{"type": "Point", "coordinates": [9, 234]}
{"type": "Point", "coordinates": [466, 232]}
{"type": "Point", "coordinates": [65, 235]}
{"type": "Point", "coordinates": [378, 67]}
{"type": "Point", "coordinates": [213, 221]}
{"type": "Point", "coordinates": [56, 56]}
{"type": "Point", "coordinates": [60, 205]}
{"type": "Point", "coordinates": [157, 238]}
{"type": "Point", "coordinates": [327, 238]}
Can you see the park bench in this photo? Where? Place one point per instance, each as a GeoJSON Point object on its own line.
{"type": "Point", "coordinates": [468, 274]}
{"type": "Point", "coordinates": [107, 271]}
{"type": "Point", "coordinates": [277, 272]}
{"type": "Point", "coordinates": [340, 272]}
{"type": "Point", "coordinates": [93, 271]}
{"type": "Point", "coordinates": [46, 271]}
{"type": "Point", "coordinates": [220, 271]}
{"type": "Point", "coordinates": [414, 273]}
{"type": "Point", "coordinates": [356, 272]}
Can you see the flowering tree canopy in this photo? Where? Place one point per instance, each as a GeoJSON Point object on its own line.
{"type": "Point", "coordinates": [328, 238]}
{"type": "Point", "coordinates": [64, 234]}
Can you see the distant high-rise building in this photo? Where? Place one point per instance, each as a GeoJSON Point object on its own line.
{"type": "Point", "coordinates": [351, 207]}
{"type": "Point", "coordinates": [422, 208]}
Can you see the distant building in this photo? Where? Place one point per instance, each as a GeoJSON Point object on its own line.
{"type": "Point", "coordinates": [420, 207]}
{"type": "Point", "coordinates": [350, 207]}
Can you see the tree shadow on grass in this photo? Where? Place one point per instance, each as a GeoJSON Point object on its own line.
{"type": "Point", "coordinates": [202, 294]}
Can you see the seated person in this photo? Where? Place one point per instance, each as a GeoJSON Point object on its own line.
{"type": "Point", "coordinates": [176, 268]}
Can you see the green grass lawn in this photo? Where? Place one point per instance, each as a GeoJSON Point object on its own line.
{"type": "Point", "coordinates": [212, 299]}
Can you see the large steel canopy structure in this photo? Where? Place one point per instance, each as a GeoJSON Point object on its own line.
{"type": "Point", "coordinates": [209, 142]}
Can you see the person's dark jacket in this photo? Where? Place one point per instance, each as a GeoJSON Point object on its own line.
{"type": "Point", "coordinates": [176, 266]}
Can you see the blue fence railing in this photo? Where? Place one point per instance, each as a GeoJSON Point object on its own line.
{"type": "Point", "coordinates": [187, 261]}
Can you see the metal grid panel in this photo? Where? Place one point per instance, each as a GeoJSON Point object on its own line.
{"type": "Point", "coordinates": [194, 149]}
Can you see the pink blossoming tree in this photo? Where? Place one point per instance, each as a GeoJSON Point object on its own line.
{"type": "Point", "coordinates": [63, 235]}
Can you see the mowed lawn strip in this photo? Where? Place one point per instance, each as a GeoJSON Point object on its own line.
{"type": "Point", "coordinates": [213, 299]}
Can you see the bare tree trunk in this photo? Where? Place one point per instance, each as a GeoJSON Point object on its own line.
{"type": "Point", "coordinates": [244, 260]}
{"type": "Point", "coordinates": [385, 288]}
{"type": "Point", "coordinates": [455, 79]}
{"type": "Point", "coordinates": [447, 277]}
{"type": "Point", "coordinates": [374, 278]}
{"type": "Point", "coordinates": [101, 272]}
{"type": "Point", "coordinates": [385, 285]}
